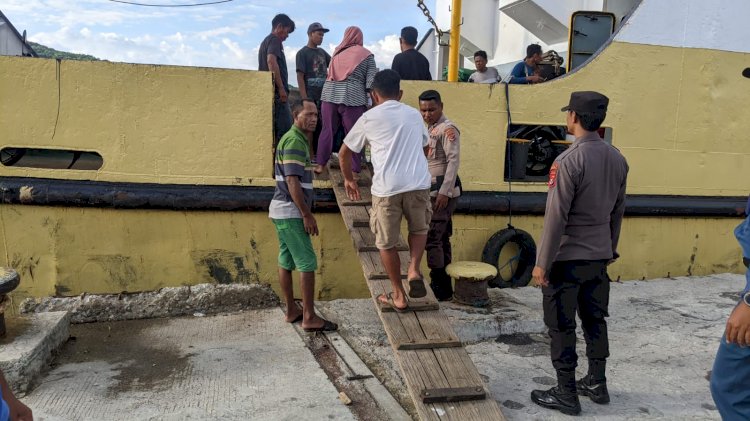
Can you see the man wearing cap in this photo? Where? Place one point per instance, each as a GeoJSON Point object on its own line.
{"type": "Point", "coordinates": [312, 69]}
{"type": "Point", "coordinates": [585, 206]}
{"type": "Point", "coordinates": [410, 63]}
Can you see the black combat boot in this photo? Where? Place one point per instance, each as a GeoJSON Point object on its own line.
{"type": "Point", "coordinates": [562, 397]}
{"type": "Point", "coordinates": [441, 284]}
{"type": "Point", "coordinates": [594, 385]}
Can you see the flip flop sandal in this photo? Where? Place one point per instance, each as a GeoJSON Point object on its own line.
{"type": "Point", "coordinates": [328, 326]}
{"type": "Point", "coordinates": [297, 319]}
{"type": "Point", "coordinates": [417, 288]}
{"type": "Point", "coordinates": [390, 303]}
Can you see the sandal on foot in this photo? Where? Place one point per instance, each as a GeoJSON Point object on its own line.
{"type": "Point", "coordinates": [297, 319]}
{"type": "Point", "coordinates": [417, 288]}
{"type": "Point", "coordinates": [328, 326]}
{"type": "Point", "coordinates": [390, 303]}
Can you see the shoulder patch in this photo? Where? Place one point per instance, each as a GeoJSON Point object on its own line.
{"type": "Point", "coordinates": [553, 175]}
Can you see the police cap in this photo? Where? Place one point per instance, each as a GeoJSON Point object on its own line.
{"type": "Point", "coordinates": [587, 102]}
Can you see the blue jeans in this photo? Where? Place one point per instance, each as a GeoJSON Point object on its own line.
{"type": "Point", "coordinates": [730, 381]}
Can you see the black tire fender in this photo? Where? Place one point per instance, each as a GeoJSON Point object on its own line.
{"type": "Point", "coordinates": [526, 258]}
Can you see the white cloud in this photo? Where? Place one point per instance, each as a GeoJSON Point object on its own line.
{"type": "Point", "coordinates": [234, 48]}
{"type": "Point", "coordinates": [383, 50]}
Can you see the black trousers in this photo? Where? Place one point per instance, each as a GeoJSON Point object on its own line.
{"type": "Point", "coordinates": [582, 286]}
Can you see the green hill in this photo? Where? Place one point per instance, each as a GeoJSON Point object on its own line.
{"type": "Point", "coordinates": [47, 52]}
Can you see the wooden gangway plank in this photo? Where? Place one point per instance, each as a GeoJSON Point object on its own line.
{"type": "Point", "coordinates": [441, 379]}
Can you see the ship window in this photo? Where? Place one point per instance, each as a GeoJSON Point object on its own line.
{"type": "Point", "coordinates": [59, 159]}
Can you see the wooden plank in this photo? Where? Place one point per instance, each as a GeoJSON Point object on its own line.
{"type": "Point", "coordinates": [436, 326]}
{"type": "Point", "coordinates": [417, 376]}
{"type": "Point", "coordinates": [413, 306]}
{"type": "Point", "coordinates": [461, 372]}
{"type": "Point", "coordinates": [433, 368]}
{"type": "Point", "coordinates": [357, 215]}
{"type": "Point", "coordinates": [428, 344]}
{"type": "Point", "coordinates": [368, 267]}
{"type": "Point", "coordinates": [453, 394]}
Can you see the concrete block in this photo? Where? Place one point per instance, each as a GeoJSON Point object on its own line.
{"type": "Point", "coordinates": [29, 346]}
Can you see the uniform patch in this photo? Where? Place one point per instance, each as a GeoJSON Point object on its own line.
{"type": "Point", "coordinates": [552, 176]}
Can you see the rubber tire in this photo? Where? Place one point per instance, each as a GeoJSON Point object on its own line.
{"type": "Point", "coordinates": [527, 247]}
{"type": "Point", "coordinates": [9, 282]}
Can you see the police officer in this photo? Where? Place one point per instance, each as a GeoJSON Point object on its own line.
{"type": "Point", "coordinates": [585, 206]}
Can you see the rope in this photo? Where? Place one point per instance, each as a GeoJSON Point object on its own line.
{"type": "Point", "coordinates": [508, 161]}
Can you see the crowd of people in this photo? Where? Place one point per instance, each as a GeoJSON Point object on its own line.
{"type": "Point", "coordinates": [339, 85]}
{"type": "Point", "coordinates": [415, 156]}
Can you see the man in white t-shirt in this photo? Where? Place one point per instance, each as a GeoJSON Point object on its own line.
{"type": "Point", "coordinates": [483, 74]}
{"type": "Point", "coordinates": [400, 181]}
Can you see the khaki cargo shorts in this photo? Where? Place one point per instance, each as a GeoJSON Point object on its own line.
{"type": "Point", "coordinates": [385, 217]}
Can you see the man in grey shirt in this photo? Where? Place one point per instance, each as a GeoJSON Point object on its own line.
{"type": "Point", "coordinates": [483, 74]}
{"type": "Point", "coordinates": [585, 206]}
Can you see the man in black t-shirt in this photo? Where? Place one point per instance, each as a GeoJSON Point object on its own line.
{"type": "Point", "coordinates": [410, 63]}
{"type": "Point", "coordinates": [312, 69]}
{"type": "Point", "coordinates": [271, 58]}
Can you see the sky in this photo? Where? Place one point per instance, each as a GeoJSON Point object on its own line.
{"type": "Point", "coordinates": [221, 35]}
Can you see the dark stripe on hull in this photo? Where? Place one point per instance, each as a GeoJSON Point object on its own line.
{"type": "Point", "coordinates": [51, 192]}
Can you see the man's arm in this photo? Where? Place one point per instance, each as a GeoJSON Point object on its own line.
{"type": "Point", "coordinates": [518, 75]}
{"type": "Point", "coordinates": [18, 411]}
{"type": "Point", "coordinates": [452, 148]}
{"type": "Point", "coordinates": [738, 325]}
{"type": "Point", "coordinates": [300, 64]}
{"type": "Point", "coordinates": [273, 65]}
{"type": "Point", "coordinates": [298, 197]}
{"type": "Point", "coordinates": [301, 84]}
{"type": "Point", "coordinates": [354, 142]}
{"type": "Point", "coordinates": [615, 219]}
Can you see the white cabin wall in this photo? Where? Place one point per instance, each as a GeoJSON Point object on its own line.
{"type": "Point", "coordinates": [10, 45]}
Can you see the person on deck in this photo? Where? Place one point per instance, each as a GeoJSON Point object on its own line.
{"type": "Point", "coordinates": [443, 156]}
{"type": "Point", "coordinates": [410, 63]}
{"type": "Point", "coordinates": [483, 74]}
{"type": "Point", "coordinates": [271, 58]}
{"type": "Point", "coordinates": [345, 92]}
{"type": "Point", "coordinates": [312, 67]}
{"type": "Point", "coordinates": [291, 213]}
{"type": "Point", "coordinates": [400, 182]}
{"type": "Point", "coordinates": [527, 71]}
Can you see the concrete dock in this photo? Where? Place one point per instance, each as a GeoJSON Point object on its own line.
{"type": "Point", "coordinates": [253, 365]}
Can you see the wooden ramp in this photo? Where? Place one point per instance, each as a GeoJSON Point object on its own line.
{"type": "Point", "coordinates": [439, 374]}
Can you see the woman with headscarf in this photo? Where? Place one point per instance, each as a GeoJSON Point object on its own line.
{"type": "Point", "coordinates": [345, 93]}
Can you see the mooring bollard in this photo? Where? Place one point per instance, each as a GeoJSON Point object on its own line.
{"type": "Point", "coordinates": [9, 280]}
{"type": "Point", "coordinates": [471, 282]}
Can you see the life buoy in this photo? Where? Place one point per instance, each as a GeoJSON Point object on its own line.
{"type": "Point", "coordinates": [523, 260]}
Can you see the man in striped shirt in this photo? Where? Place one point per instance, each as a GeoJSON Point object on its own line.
{"type": "Point", "coordinates": [291, 212]}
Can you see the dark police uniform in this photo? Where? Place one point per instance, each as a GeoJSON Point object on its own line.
{"type": "Point", "coordinates": [585, 206]}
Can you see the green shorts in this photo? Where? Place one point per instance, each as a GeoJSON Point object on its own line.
{"type": "Point", "coordinates": [295, 248]}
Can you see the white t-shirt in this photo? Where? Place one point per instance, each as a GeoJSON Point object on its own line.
{"type": "Point", "coordinates": [488, 76]}
{"type": "Point", "coordinates": [397, 137]}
